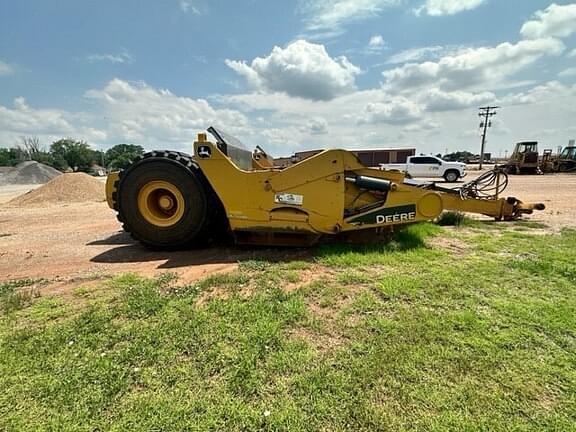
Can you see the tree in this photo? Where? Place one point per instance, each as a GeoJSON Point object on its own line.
{"type": "Point", "coordinates": [120, 156]}
{"type": "Point", "coordinates": [98, 157]}
{"type": "Point", "coordinates": [11, 156]}
{"type": "Point", "coordinates": [68, 153]}
{"type": "Point", "coordinates": [31, 147]}
{"type": "Point", "coordinates": [33, 150]}
{"type": "Point", "coordinates": [459, 156]}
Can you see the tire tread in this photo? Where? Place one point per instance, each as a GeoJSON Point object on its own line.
{"type": "Point", "coordinates": [215, 222]}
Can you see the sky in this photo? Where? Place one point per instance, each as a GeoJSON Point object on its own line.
{"type": "Point", "coordinates": [289, 75]}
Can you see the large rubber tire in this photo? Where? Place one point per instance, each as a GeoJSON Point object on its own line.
{"type": "Point", "coordinates": [194, 228]}
{"type": "Point", "coordinates": [451, 176]}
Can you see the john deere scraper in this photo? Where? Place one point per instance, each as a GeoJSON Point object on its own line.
{"type": "Point", "coordinates": [172, 200]}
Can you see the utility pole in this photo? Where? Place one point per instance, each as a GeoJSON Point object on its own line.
{"type": "Point", "coordinates": [485, 113]}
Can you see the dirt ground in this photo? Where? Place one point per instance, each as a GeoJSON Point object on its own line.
{"type": "Point", "coordinates": [71, 243]}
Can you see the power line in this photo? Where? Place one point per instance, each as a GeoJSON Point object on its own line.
{"type": "Point", "coordinates": [485, 113]}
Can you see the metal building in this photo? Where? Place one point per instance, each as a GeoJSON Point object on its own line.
{"type": "Point", "coordinates": [369, 157]}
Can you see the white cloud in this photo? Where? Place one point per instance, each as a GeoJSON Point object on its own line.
{"type": "Point", "coordinates": [140, 113]}
{"type": "Point", "coordinates": [286, 139]}
{"type": "Point", "coordinates": [188, 6]}
{"type": "Point", "coordinates": [112, 58]}
{"type": "Point", "coordinates": [397, 111]}
{"type": "Point", "coordinates": [6, 69]}
{"type": "Point", "coordinates": [469, 133]}
{"type": "Point", "coordinates": [22, 119]}
{"type": "Point", "coordinates": [315, 126]}
{"type": "Point", "coordinates": [438, 100]}
{"type": "Point", "coordinates": [475, 67]}
{"type": "Point", "coordinates": [554, 21]}
{"type": "Point", "coordinates": [569, 72]}
{"type": "Point", "coordinates": [434, 118]}
{"type": "Point", "coordinates": [47, 124]}
{"type": "Point", "coordinates": [376, 42]}
{"type": "Point", "coordinates": [328, 17]}
{"type": "Point", "coordinates": [136, 112]}
{"type": "Point", "coordinates": [448, 7]}
{"type": "Point", "coordinates": [540, 93]}
{"type": "Point", "coordinates": [302, 69]}
{"type": "Point", "coordinates": [121, 111]}
{"type": "Point", "coordinates": [420, 127]}
{"type": "Point", "coordinates": [380, 122]}
{"type": "Point", "coordinates": [423, 53]}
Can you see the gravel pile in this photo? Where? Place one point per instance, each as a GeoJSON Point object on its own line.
{"type": "Point", "coordinates": [66, 188]}
{"type": "Point", "coordinates": [3, 171]}
{"type": "Point", "coordinates": [29, 172]}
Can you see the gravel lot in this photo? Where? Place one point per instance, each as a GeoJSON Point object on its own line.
{"type": "Point", "coordinates": [72, 242]}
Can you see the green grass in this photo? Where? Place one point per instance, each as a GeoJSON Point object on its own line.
{"type": "Point", "coordinates": [402, 336]}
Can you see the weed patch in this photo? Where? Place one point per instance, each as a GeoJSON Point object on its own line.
{"type": "Point", "coordinates": [18, 294]}
{"type": "Point", "coordinates": [457, 219]}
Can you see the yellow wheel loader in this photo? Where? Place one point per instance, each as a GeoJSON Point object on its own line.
{"type": "Point", "coordinates": [171, 200]}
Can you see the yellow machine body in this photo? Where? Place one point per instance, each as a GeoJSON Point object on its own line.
{"type": "Point", "coordinates": [327, 194]}
{"type": "Point", "coordinates": [260, 199]}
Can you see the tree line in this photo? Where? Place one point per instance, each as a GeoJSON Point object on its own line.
{"type": "Point", "coordinates": [69, 154]}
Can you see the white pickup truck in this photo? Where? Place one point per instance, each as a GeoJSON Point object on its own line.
{"type": "Point", "coordinates": [430, 166]}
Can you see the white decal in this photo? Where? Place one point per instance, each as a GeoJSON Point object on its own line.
{"type": "Point", "coordinates": [398, 217]}
{"type": "Point", "coordinates": [288, 198]}
{"type": "Point", "coordinates": [204, 152]}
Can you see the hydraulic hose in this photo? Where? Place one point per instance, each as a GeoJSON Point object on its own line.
{"type": "Point", "coordinates": [488, 186]}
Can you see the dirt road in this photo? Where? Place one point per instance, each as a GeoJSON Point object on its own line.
{"type": "Point", "coordinates": [71, 242]}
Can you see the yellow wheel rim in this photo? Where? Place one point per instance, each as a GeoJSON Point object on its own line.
{"type": "Point", "coordinates": [161, 203]}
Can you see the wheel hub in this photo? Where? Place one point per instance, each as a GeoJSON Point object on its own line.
{"type": "Point", "coordinates": [161, 203]}
{"type": "Point", "coordinates": [166, 202]}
